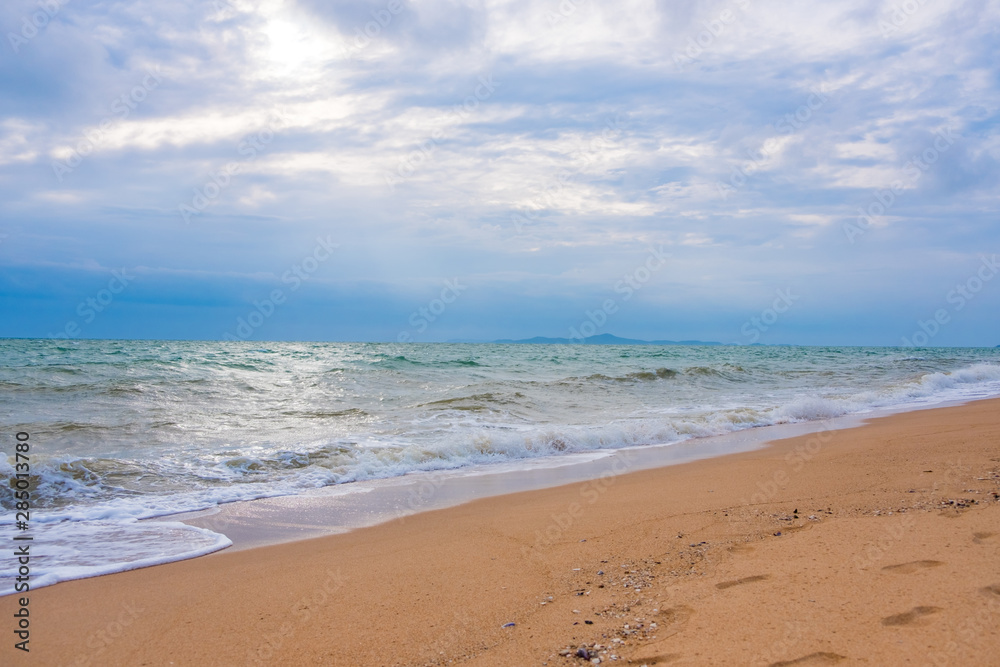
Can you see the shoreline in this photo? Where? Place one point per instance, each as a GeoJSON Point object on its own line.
{"type": "Point", "coordinates": [339, 509]}
{"type": "Point", "coordinates": [708, 544]}
{"type": "Point", "coordinates": [122, 507]}
{"type": "Point", "coordinates": [343, 508]}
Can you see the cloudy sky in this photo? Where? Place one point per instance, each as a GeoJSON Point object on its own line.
{"type": "Point", "coordinates": [739, 171]}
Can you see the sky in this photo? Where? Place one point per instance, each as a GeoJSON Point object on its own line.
{"type": "Point", "coordinates": [742, 171]}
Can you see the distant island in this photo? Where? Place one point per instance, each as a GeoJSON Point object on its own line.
{"type": "Point", "coordinates": [602, 339]}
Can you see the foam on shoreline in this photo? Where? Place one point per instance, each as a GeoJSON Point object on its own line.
{"type": "Point", "coordinates": [307, 500]}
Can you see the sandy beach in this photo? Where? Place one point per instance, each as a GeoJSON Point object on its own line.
{"type": "Point", "coordinates": [877, 545]}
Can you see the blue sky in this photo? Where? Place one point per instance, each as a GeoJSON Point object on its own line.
{"type": "Point", "coordinates": [743, 171]}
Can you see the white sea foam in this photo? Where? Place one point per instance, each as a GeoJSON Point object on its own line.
{"type": "Point", "coordinates": [80, 549]}
{"type": "Point", "coordinates": [810, 409]}
{"type": "Point", "coordinates": [234, 427]}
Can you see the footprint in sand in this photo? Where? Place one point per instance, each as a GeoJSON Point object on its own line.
{"type": "Point", "coordinates": [991, 591]}
{"type": "Point", "coordinates": [740, 549]}
{"type": "Point", "coordinates": [911, 617]}
{"type": "Point", "coordinates": [979, 538]}
{"type": "Point", "coordinates": [739, 582]}
{"type": "Point", "coordinates": [912, 566]}
{"type": "Point", "coordinates": [663, 659]}
{"type": "Point", "coordinates": [793, 529]}
{"type": "Point", "coordinates": [818, 658]}
{"type": "Point", "coordinates": [671, 621]}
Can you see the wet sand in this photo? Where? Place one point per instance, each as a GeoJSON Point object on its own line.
{"type": "Point", "coordinates": [873, 545]}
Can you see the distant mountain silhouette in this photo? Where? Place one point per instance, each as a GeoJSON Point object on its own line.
{"type": "Point", "coordinates": [602, 339]}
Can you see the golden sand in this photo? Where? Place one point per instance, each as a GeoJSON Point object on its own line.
{"type": "Point", "coordinates": [878, 545]}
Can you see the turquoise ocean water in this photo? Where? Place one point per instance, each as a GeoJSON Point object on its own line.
{"type": "Point", "coordinates": [126, 430]}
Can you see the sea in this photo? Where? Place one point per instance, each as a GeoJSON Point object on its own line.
{"type": "Point", "coordinates": [122, 431]}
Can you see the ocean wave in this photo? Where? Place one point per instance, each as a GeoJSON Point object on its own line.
{"type": "Point", "coordinates": [318, 416]}
{"type": "Point", "coordinates": [275, 470]}
{"type": "Point", "coordinates": [810, 408]}
{"type": "Point", "coordinates": [350, 413]}
{"type": "Point", "coordinates": [635, 376]}
{"type": "Point", "coordinates": [731, 372]}
{"type": "Point", "coordinates": [77, 550]}
{"type": "Point", "coordinates": [975, 381]}
{"type": "Point", "coordinates": [647, 376]}
{"type": "Point", "coordinates": [976, 373]}
{"type": "Point", "coordinates": [473, 402]}
{"type": "Point", "coordinates": [401, 360]}
{"type": "Point", "coordinates": [256, 365]}
{"type": "Point", "coordinates": [707, 371]}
